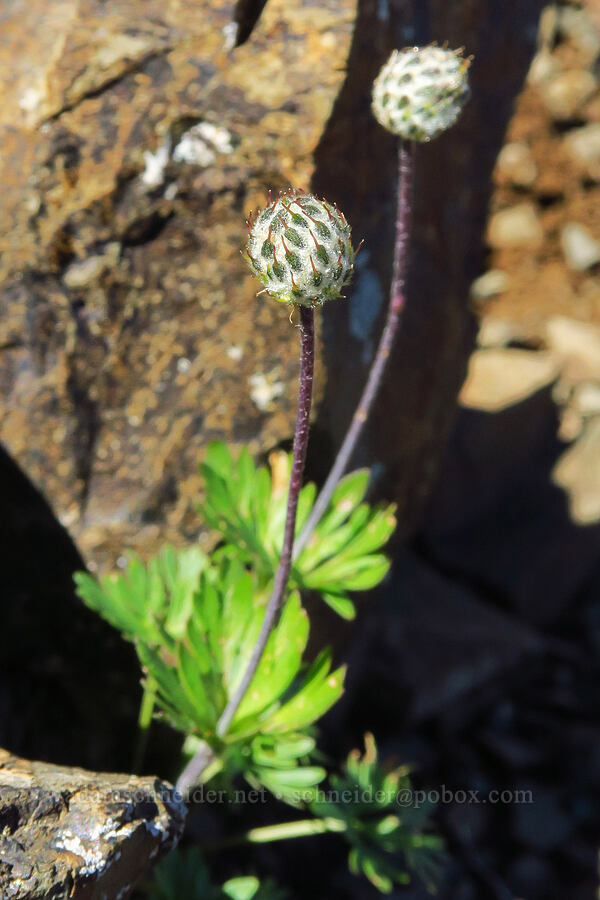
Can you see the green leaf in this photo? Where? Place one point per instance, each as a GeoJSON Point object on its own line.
{"type": "Point", "coordinates": [349, 492]}
{"type": "Point", "coordinates": [280, 662]}
{"type": "Point", "coordinates": [243, 888]}
{"type": "Point", "coordinates": [385, 840]}
{"type": "Point", "coordinates": [340, 604]}
{"type": "Point", "coordinates": [355, 574]}
{"type": "Point", "coordinates": [248, 506]}
{"type": "Point", "coordinates": [147, 598]}
{"type": "Point", "coordinates": [197, 689]}
{"type": "Point", "coordinates": [171, 695]}
{"type": "Point", "coordinates": [319, 691]}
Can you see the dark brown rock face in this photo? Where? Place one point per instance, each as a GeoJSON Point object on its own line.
{"type": "Point", "coordinates": [68, 833]}
{"type": "Point", "coordinates": [131, 335]}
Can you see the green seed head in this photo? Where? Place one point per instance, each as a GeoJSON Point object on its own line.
{"type": "Point", "coordinates": [299, 247]}
{"type": "Point", "coordinates": [421, 91]}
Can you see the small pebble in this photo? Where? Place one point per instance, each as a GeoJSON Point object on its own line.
{"type": "Point", "coordinates": [583, 146]}
{"type": "Point", "coordinates": [81, 274]}
{"type": "Point", "coordinates": [495, 332]}
{"type": "Point", "coordinates": [543, 67]}
{"type": "Point", "coordinates": [516, 164]}
{"type": "Point", "coordinates": [490, 284]}
{"type": "Point", "coordinates": [586, 398]}
{"type": "Point", "coordinates": [576, 26]}
{"type": "Point", "coordinates": [580, 248]}
{"type": "Point", "coordinates": [516, 226]}
{"type": "Point", "coordinates": [565, 94]}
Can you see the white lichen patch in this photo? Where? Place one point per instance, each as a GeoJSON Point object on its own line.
{"type": "Point", "coordinates": [201, 144]}
{"type": "Point", "coordinates": [155, 164]}
{"type": "Point", "coordinates": [31, 98]}
{"type": "Point", "coordinates": [93, 859]}
{"type": "Point", "coordinates": [235, 352]}
{"type": "Point", "coordinates": [264, 389]}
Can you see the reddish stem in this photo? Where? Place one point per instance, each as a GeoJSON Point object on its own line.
{"type": "Point", "coordinates": [307, 361]}
{"type": "Point", "coordinates": [397, 300]}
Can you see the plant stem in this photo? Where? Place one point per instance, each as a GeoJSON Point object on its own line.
{"type": "Point", "coordinates": [281, 832]}
{"type": "Point", "coordinates": [194, 770]}
{"type": "Point", "coordinates": [307, 360]}
{"type": "Point", "coordinates": [397, 300]}
{"type": "Point", "coordinates": [144, 723]}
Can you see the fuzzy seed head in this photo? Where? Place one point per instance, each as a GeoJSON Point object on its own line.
{"type": "Point", "coordinates": [299, 247]}
{"type": "Point", "coordinates": [421, 91]}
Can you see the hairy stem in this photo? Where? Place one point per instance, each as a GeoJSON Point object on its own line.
{"type": "Point", "coordinates": [307, 361]}
{"type": "Point", "coordinates": [397, 299]}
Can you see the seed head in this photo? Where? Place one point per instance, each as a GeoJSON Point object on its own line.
{"type": "Point", "coordinates": [421, 91]}
{"type": "Point", "coordinates": [299, 247]}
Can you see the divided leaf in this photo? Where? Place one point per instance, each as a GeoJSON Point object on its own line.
{"type": "Point", "coordinates": [385, 834]}
{"type": "Point", "coordinates": [147, 601]}
{"type": "Point", "coordinates": [248, 505]}
{"type": "Point", "coordinates": [194, 677]}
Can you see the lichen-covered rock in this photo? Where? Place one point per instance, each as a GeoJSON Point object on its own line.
{"type": "Point", "coordinates": [134, 137]}
{"type": "Point", "coordinates": [69, 833]}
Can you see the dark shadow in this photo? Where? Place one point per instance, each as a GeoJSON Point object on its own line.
{"type": "Point", "coordinates": [478, 663]}
{"type": "Point", "coordinates": [247, 13]}
{"type": "Point", "coordinates": [69, 685]}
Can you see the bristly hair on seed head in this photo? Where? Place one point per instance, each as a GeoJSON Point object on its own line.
{"type": "Point", "coordinates": [299, 247]}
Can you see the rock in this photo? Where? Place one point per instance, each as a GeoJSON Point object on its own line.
{"type": "Point", "coordinates": [62, 667]}
{"type": "Point", "coordinates": [577, 344]}
{"type": "Point", "coordinates": [495, 332]}
{"type": "Point", "coordinates": [490, 284]}
{"type": "Point", "coordinates": [443, 641]}
{"type": "Point", "coordinates": [128, 166]}
{"type": "Point", "coordinates": [84, 273]}
{"type": "Point", "coordinates": [161, 138]}
{"type": "Point", "coordinates": [581, 250]}
{"type": "Point", "coordinates": [516, 164]}
{"type": "Point", "coordinates": [78, 834]}
{"type": "Point", "coordinates": [516, 226]}
{"type": "Point", "coordinates": [566, 93]}
{"type": "Point", "coordinates": [578, 473]}
{"type": "Point", "coordinates": [111, 392]}
{"type": "Point", "coordinates": [570, 425]}
{"type": "Point", "coordinates": [577, 27]}
{"type": "Point", "coordinates": [586, 398]}
{"type": "Point", "coordinates": [543, 67]}
{"type": "Point", "coordinates": [548, 27]}
{"type": "Point", "coordinates": [501, 377]}
{"type": "Point", "coordinates": [583, 146]}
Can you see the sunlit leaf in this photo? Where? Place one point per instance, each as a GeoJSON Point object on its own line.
{"type": "Point", "coordinates": [247, 505]}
